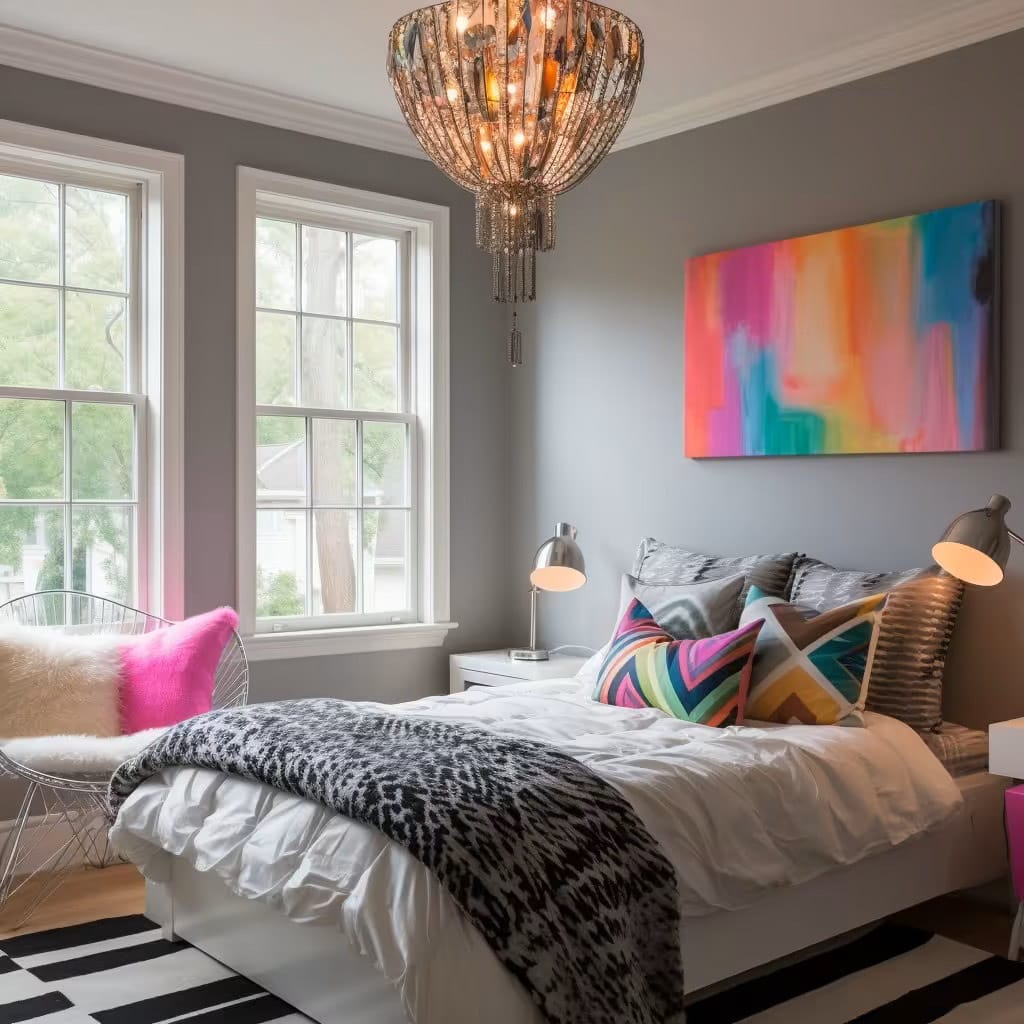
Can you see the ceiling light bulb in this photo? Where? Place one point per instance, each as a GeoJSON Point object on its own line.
{"type": "Point", "coordinates": [513, 210]}
{"type": "Point", "coordinates": [485, 145]}
{"type": "Point", "coordinates": [462, 23]}
{"type": "Point", "coordinates": [550, 14]}
{"type": "Point", "coordinates": [519, 138]}
{"type": "Point", "coordinates": [512, 88]}
{"type": "Point", "coordinates": [452, 93]}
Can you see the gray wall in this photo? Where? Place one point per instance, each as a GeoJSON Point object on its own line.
{"type": "Point", "coordinates": [213, 147]}
{"type": "Point", "coordinates": [597, 410]}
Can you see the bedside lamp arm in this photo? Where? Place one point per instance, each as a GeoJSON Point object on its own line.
{"type": "Point", "coordinates": [1015, 536]}
{"type": "Point", "coordinates": [534, 591]}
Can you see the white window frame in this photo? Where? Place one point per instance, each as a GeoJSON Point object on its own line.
{"type": "Point", "coordinates": [159, 178]}
{"type": "Point", "coordinates": [424, 228]}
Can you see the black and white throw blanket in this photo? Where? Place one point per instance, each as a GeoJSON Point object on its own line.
{"type": "Point", "coordinates": [549, 862]}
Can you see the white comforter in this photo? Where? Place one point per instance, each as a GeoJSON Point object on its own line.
{"type": "Point", "coordinates": [737, 811]}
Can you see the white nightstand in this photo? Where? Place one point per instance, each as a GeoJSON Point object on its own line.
{"type": "Point", "coordinates": [496, 668]}
{"type": "Point", "coordinates": [1006, 748]}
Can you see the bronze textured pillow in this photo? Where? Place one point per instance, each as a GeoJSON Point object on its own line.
{"type": "Point", "coordinates": [917, 626]}
{"type": "Point", "coordinates": [656, 562]}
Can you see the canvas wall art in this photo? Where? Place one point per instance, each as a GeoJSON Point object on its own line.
{"type": "Point", "coordinates": [877, 338]}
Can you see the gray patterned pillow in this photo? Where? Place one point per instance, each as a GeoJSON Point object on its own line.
{"type": "Point", "coordinates": [689, 611]}
{"type": "Point", "coordinates": [917, 625]}
{"type": "Point", "coordinates": [661, 563]}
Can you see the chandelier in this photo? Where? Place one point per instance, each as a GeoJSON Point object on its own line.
{"type": "Point", "coordinates": [517, 101]}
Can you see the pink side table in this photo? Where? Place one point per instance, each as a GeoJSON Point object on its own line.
{"type": "Point", "coordinates": [1015, 838]}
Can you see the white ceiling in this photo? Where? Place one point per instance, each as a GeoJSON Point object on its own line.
{"type": "Point", "coordinates": [705, 58]}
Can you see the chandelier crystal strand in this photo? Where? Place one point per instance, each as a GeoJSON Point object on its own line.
{"type": "Point", "coordinates": [517, 101]}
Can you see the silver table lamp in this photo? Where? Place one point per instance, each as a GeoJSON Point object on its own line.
{"type": "Point", "coordinates": [557, 566]}
{"type": "Point", "coordinates": [976, 545]}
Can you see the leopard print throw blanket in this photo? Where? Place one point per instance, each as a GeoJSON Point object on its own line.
{"type": "Point", "coordinates": [546, 859]}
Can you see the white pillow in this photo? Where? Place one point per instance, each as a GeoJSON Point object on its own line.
{"type": "Point", "coordinates": [52, 683]}
{"type": "Point", "coordinates": [687, 611]}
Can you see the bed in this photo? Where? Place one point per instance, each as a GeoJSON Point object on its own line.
{"type": "Point", "coordinates": [839, 827]}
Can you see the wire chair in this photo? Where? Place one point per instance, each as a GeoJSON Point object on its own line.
{"type": "Point", "coordinates": [64, 819]}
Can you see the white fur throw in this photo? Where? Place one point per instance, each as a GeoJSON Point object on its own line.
{"type": "Point", "coordinates": [53, 683]}
{"type": "Point", "coordinates": [78, 755]}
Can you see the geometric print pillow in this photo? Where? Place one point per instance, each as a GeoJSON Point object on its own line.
{"type": "Point", "coordinates": [811, 668]}
{"type": "Point", "coordinates": [700, 681]}
{"type": "Point", "coordinates": [686, 611]}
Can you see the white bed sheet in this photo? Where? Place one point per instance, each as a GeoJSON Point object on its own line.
{"type": "Point", "coordinates": [737, 811]}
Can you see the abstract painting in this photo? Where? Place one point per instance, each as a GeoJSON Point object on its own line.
{"type": "Point", "coordinates": [878, 338]}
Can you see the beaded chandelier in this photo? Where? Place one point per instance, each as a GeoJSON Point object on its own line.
{"type": "Point", "coordinates": [517, 101]}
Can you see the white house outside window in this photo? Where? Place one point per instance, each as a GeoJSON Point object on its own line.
{"type": "Point", "coordinates": [342, 418]}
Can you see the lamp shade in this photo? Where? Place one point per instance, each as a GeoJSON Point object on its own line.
{"type": "Point", "coordinates": [976, 545]}
{"type": "Point", "coordinates": [558, 564]}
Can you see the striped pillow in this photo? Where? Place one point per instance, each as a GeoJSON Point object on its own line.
{"type": "Point", "coordinates": [700, 681]}
{"type": "Point", "coordinates": [657, 562]}
{"type": "Point", "coordinates": [922, 609]}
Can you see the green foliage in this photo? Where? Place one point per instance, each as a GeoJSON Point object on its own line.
{"type": "Point", "coordinates": [277, 593]}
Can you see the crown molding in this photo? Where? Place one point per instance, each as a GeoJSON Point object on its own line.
{"type": "Point", "coordinates": [969, 23]}
{"type": "Point", "coordinates": [89, 65]}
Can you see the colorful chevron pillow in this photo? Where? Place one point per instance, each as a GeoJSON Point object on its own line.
{"type": "Point", "coordinates": [811, 668]}
{"type": "Point", "coordinates": [700, 681]}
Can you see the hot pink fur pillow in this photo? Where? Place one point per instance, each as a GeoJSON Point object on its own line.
{"type": "Point", "coordinates": [53, 683]}
{"type": "Point", "coordinates": [168, 675]}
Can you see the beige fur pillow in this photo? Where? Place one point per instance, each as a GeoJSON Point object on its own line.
{"type": "Point", "coordinates": [52, 683]}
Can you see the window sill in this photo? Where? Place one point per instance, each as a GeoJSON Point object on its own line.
{"type": "Point", "coordinates": [309, 643]}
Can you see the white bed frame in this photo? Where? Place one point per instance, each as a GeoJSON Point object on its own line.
{"type": "Point", "coordinates": [311, 967]}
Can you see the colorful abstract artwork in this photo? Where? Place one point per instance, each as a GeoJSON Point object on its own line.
{"type": "Point", "coordinates": [878, 338]}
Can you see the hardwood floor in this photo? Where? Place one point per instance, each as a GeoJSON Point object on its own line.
{"type": "Point", "coordinates": [91, 894]}
{"type": "Point", "coordinates": [88, 894]}
{"type": "Point", "coordinates": [964, 920]}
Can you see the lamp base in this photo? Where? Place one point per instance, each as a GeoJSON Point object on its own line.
{"type": "Point", "coordinates": [527, 654]}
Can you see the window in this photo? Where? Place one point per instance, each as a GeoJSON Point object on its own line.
{"type": "Point", "coordinates": [69, 389]}
{"type": "Point", "coordinates": [87, 334]}
{"type": "Point", "coordinates": [342, 418]}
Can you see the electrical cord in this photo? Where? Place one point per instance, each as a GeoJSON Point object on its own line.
{"type": "Point", "coordinates": [573, 647]}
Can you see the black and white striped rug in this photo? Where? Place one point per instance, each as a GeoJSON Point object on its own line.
{"type": "Point", "coordinates": [121, 971]}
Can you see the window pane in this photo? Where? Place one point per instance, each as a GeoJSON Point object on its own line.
{"type": "Point", "coordinates": [374, 369]}
{"type": "Point", "coordinates": [385, 568]}
{"type": "Point", "coordinates": [28, 336]}
{"type": "Point", "coordinates": [334, 462]}
{"type": "Point", "coordinates": [323, 271]}
{"type": "Point", "coordinates": [324, 363]}
{"type": "Point", "coordinates": [275, 359]}
{"type": "Point", "coordinates": [280, 562]}
{"type": "Point", "coordinates": [31, 449]}
{"type": "Point", "coordinates": [29, 230]}
{"type": "Point", "coordinates": [334, 564]}
{"type": "Point", "coordinates": [384, 464]}
{"type": "Point", "coordinates": [375, 277]}
{"type": "Point", "coordinates": [31, 549]}
{"type": "Point", "coordinates": [102, 467]}
{"type": "Point", "coordinates": [275, 263]}
{"type": "Point", "coordinates": [95, 239]}
{"type": "Point", "coordinates": [101, 542]}
{"type": "Point", "coordinates": [94, 341]}
{"type": "Point", "coordinates": [281, 459]}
